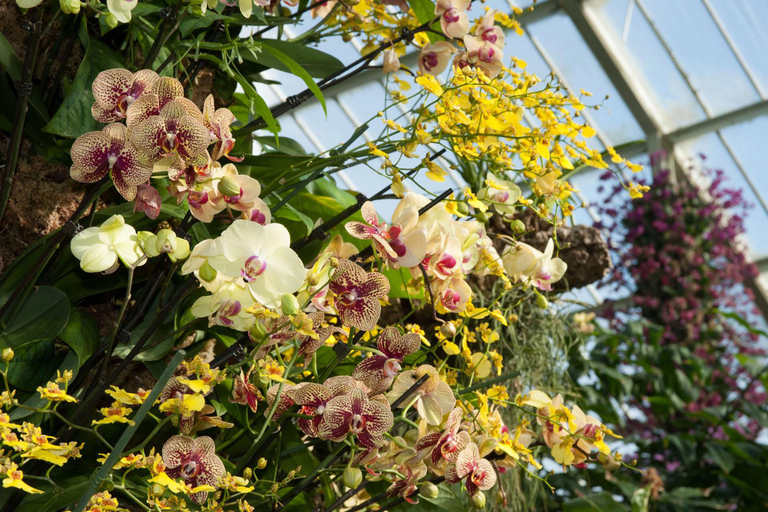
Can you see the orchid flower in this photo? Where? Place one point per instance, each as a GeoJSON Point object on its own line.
{"type": "Point", "coordinates": [446, 445]}
{"type": "Point", "coordinates": [313, 399]}
{"type": "Point", "coordinates": [454, 20]}
{"type": "Point", "coordinates": [244, 392]}
{"type": "Point", "coordinates": [434, 57]}
{"type": "Point", "coordinates": [479, 473]}
{"type": "Point", "coordinates": [488, 31]}
{"type": "Point", "coordinates": [433, 399]}
{"type": "Point", "coordinates": [194, 461]}
{"type": "Point", "coordinates": [357, 295]}
{"type": "Point", "coordinates": [401, 243]}
{"type": "Point", "coordinates": [114, 90]}
{"type": "Point", "coordinates": [262, 258]}
{"type": "Point", "coordinates": [217, 121]}
{"type": "Point", "coordinates": [500, 194]}
{"type": "Point", "coordinates": [100, 249]}
{"type": "Point", "coordinates": [378, 371]}
{"type": "Point", "coordinates": [96, 154]}
{"type": "Point", "coordinates": [484, 55]}
{"type": "Point", "coordinates": [358, 415]}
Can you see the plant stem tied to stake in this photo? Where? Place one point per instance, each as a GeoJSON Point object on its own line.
{"type": "Point", "coordinates": [23, 90]}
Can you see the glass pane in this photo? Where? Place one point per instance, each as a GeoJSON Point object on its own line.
{"type": "Point", "coordinates": [580, 69]}
{"type": "Point", "coordinates": [746, 22]}
{"type": "Point", "coordinates": [703, 53]}
{"type": "Point", "coordinates": [717, 157]}
{"type": "Point", "coordinates": [663, 90]}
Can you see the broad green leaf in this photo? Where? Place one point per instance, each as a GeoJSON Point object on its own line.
{"type": "Point", "coordinates": [283, 145]}
{"type": "Point", "coordinates": [294, 216]}
{"type": "Point", "coordinates": [41, 317]}
{"type": "Point", "coordinates": [33, 364]}
{"type": "Point", "coordinates": [295, 68]}
{"type": "Point", "coordinates": [316, 63]}
{"type": "Point", "coordinates": [193, 23]}
{"type": "Point", "coordinates": [721, 455]}
{"type": "Point", "coordinates": [74, 116]}
{"type": "Point", "coordinates": [81, 334]}
{"type": "Point", "coordinates": [425, 12]}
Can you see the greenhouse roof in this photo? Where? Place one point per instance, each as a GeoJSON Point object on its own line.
{"type": "Point", "coordinates": [686, 76]}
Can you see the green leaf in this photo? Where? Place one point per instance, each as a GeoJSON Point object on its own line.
{"type": "Point", "coordinates": [295, 68]}
{"type": "Point", "coordinates": [600, 502]}
{"type": "Point", "coordinates": [721, 455]}
{"type": "Point", "coordinates": [425, 12]}
{"type": "Point", "coordinates": [289, 213]}
{"type": "Point", "coordinates": [41, 317]}
{"type": "Point", "coordinates": [314, 62]}
{"type": "Point", "coordinates": [32, 364]}
{"type": "Point", "coordinates": [284, 145]}
{"type": "Point", "coordinates": [257, 102]}
{"type": "Point", "coordinates": [191, 23]}
{"type": "Point", "coordinates": [81, 334]}
{"type": "Point", "coordinates": [74, 116]}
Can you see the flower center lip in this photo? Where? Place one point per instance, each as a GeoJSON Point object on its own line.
{"type": "Point", "coordinates": [356, 423]}
{"type": "Point", "coordinates": [253, 268]}
{"type": "Point", "coordinates": [189, 469]}
{"type": "Point", "coordinates": [391, 367]}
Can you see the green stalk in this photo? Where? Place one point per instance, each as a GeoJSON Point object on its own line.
{"type": "Point", "coordinates": [101, 474]}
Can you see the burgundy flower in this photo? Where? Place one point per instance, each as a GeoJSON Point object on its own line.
{"type": "Point", "coordinates": [116, 89]}
{"type": "Point", "coordinates": [163, 91]}
{"type": "Point", "coordinates": [285, 402]}
{"type": "Point", "coordinates": [193, 460]}
{"type": "Point", "coordinates": [379, 371]}
{"type": "Point", "coordinates": [96, 154]}
{"type": "Point", "coordinates": [357, 295]}
{"type": "Point", "coordinates": [356, 414]}
{"type": "Point", "coordinates": [313, 399]}
{"type": "Point", "coordinates": [479, 472]}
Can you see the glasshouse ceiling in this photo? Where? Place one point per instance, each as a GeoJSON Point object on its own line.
{"type": "Point", "coordinates": [687, 76]}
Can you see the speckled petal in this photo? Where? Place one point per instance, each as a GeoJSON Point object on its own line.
{"type": "Point", "coordinates": [109, 85]}
{"type": "Point", "coordinates": [103, 115]}
{"type": "Point", "coordinates": [311, 394]}
{"type": "Point", "coordinates": [467, 460]}
{"type": "Point", "coordinates": [375, 286]}
{"type": "Point", "coordinates": [143, 80]}
{"type": "Point", "coordinates": [371, 371]}
{"type": "Point", "coordinates": [143, 108]}
{"type": "Point", "coordinates": [192, 136]}
{"type": "Point", "coordinates": [359, 230]}
{"type": "Point", "coordinates": [378, 417]}
{"type": "Point", "coordinates": [363, 315]}
{"type": "Point", "coordinates": [396, 345]}
{"type": "Point", "coordinates": [166, 89]}
{"type": "Point", "coordinates": [369, 213]}
{"type": "Point", "coordinates": [89, 157]}
{"type": "Point", "coordinates": [149, 135]}
{"type": "Point", "coordinates": [177, 449]}
{"type": "Point", "coordinates": [335, 424]}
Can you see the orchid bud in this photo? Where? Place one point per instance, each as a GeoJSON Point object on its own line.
{"type": "Point", "coordinates": [111, 20]}
{"type": "Point", "coordinates": [7, 354]}
{"type": "Point", "coordinates": [478, 500]}
{"type": "Point", "coordinates": [352, 477]}
{"type": "Point", "coordinates": [64, 6]}
{"type": "Point", "coordinates": [228, 186]}
{"type": "Point", "coordinates": [448, 330]}
{"type": "Point", "coordinates": [517, 226]}
{"type": "Point", "coordinates": [462, 207]}
{"type": "Point", "coordinates": [608, 462]}
{"type": "Point", "coordinates": [333, 262]}
{"type": "Point", "coordinates": [429, 490]}
{"type": "Point", "coordinates": [482, 217]}
{"type": "Point", "coordinates": [258, 333]}
{"type": "Point", "coordinates": [541, 301]}
{"type": "Point", "coordinates": [74, 6]}
{"type": "Point", "coordinates": [262, 463]}
{"type": "Point", "coordinates": [289, 304]}
{"type": "Point", "coordinates": [207, 273]}
{"type": "Point", "coordinates": [247, 473]}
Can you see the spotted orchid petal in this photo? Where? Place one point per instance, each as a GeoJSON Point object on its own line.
{"type": "Point", "coordinates": [358, 294]}
{"type": "Point", "coordinates": [95, 154]}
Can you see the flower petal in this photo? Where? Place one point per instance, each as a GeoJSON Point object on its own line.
{"type": "Point", "coordinates": [177, 449]}
{"type": "Point", "coordinates": [109, 85]}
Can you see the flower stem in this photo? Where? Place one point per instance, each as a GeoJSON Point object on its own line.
{"type": "Point", "coordinates": [24, 89]}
